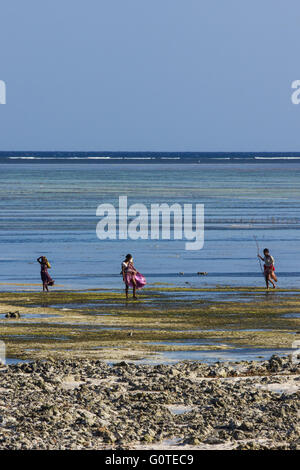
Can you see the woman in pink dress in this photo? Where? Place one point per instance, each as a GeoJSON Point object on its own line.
{"type": "Point", "coordinates": [131, 277]}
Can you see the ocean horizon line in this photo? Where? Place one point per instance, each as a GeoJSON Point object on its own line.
{"type": "Point", "coordinates": [145, 157]}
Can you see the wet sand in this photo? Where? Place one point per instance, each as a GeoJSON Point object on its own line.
{"type": "Point", "coordinates": [164, 325]}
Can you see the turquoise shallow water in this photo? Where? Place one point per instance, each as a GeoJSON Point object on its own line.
{"type": "Point", "coordinates": [51, 209]}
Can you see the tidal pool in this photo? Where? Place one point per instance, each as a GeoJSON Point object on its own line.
{"type": "Point", "coordinates": [291, 315]}
{"type": "Point", "coordinates": [211, 356]}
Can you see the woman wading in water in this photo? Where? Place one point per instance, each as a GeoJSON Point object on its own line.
{"type": "Point", "coordinates": [45, 276]}
{"type": "Point", "coordinates": [131, 277]}
{"type": "Point", "coordinates": [269, 269]}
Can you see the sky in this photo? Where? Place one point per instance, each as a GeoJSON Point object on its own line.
{"type": "Point", "coordinates": [149, 75]}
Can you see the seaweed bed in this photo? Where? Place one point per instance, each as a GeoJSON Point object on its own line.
{"type": "Point", "coordinates": [104, 325]}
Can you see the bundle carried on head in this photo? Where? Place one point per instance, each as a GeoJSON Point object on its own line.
{"type": "Point", "coordinates": [45, 260]}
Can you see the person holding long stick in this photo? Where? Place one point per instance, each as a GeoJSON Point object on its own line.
{"type": "Point", "coordinates": [269, 269]}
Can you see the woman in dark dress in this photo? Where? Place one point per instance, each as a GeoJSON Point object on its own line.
{"type": "Point", "coordinates": [45, 276]}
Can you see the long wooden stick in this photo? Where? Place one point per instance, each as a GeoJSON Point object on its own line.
{"type": "Point", "coordinates": [258, 254]}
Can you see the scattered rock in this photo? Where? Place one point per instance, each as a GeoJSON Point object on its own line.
{"type": "Point", "coordinates": [13, 315]}
{"type": "Point", "coordinates": [87, 404]}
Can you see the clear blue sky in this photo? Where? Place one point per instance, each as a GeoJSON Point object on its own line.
{"type": "Point", "coordinates": [170, 75]}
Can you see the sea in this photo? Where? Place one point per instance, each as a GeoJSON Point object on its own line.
{"type": "Point", "coordinates": [48, 204]}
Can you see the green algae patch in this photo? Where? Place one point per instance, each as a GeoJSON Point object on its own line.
{"type": "Point", "coordinates": [105, 325]}
{"type": "Point", "coordinates": [52, 298]}
{"type": "Point", "coordinates": [222, 289]}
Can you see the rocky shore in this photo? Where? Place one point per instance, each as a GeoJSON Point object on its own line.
{"type": "Point", "coordinates": [89, 404]}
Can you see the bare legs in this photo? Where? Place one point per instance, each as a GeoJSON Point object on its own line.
{"type": "Point", "coordinates": [273, 276]}
{"type": "Point", "coordinates": [133, 288]}
{"type": "Point", "coordinates": [134, 291]}
{"type": "Point", "coordinates": [268, 278]}
{"type": "Point", "coordinates": [45, 287]}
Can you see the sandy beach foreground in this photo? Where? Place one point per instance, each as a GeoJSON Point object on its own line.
{"type": "Point", "coordinates": [86, 404]}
